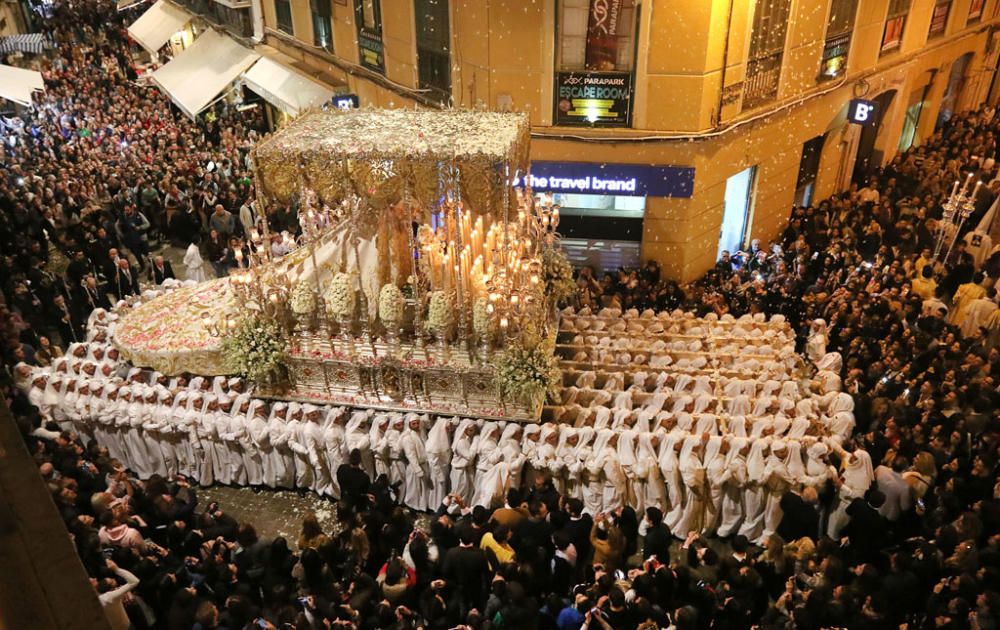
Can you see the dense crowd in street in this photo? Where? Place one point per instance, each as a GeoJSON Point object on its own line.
{"type": "Point", "coordinates": [692, 493]}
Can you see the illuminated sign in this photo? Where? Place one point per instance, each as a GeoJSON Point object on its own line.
{"type": "Point", "coordinates": [629, 180]}
{"type": "Point", "coordinates": [862, 112]}
{"type": "Point", "coordinates": [346, 101]}
{"type": "Point", "coordinates": [598, 99]}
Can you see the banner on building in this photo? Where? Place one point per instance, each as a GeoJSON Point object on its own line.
{"type": "Point", "coordinates": [594, 99]}
{"type": "Point", "coordinates": [603, 26]}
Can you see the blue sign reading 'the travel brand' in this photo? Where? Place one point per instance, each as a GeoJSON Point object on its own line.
{"type": "Point", "coordinates": [631, 180]}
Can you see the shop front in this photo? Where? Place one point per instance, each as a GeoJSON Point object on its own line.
{"type": "Point", "coordinates": [602, 206]}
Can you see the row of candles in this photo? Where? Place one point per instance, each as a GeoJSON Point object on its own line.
{"type": "Point", "coordinates": [479, 257]}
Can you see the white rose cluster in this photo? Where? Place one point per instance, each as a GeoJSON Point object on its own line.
{"type": "Point", "coordinates": [340, 296]}
{"type": "Point", "coordinates": [439, 313]}
{"type": "Point", "coordinates": [481, 317]}
{"type": "Point", "coordinates": [391, 304]}
{"type": "Point", "coordinates": [303, 298]}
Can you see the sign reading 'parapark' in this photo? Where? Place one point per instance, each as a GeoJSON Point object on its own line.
{"type": "Point", "coordinates": [630, 180]}
{"type": "Point", "coordinates": [601, 99]}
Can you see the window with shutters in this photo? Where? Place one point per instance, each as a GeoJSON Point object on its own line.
{"type": "Point", "coordinates": [283, 13]}
{"type": "Point", "coordinates": [434, 47]}
{"type": "Point", "coordinates": [767, 48]}
{"type": "Point", "coordinates": [322, 27]}
{"type": "Point", "coordinates": [939, 19]}
{"type": "Point", "coordinates": [839, 31]}
{"type": "Point", "coordinates": [368, 19]}
{"type": "Point", "coordinates": [976, 10]}
{"type": "Point", "coordinates": [895, 24]}
{"type": "Point", "coordinates": [596, 35]}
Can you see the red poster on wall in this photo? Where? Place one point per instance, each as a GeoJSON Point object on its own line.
{"type": "Point", "coordinates": [602, 34]}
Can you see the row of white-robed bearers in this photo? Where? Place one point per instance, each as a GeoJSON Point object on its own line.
{"type": "Point", "coordinates": [718, 481]}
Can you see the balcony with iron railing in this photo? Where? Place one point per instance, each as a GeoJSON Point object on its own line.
{"type": "Point", "coordinates": [763, 76]}
{"type": "Point", "coordinates": [231, 15]}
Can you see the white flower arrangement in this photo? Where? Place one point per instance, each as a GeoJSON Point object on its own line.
{"type": "Point", "coordinates": [527, 375]}
{"type": "Point", "coordinates": [255, 348]}
{"type": "Point", "coordinates": [340, 296]}
{"type": "Point", "coordinates": [481, 317]}
{"type": "Point", "coordinates": [439, 313]}
{"type": "Point", "coordinates": [391, 304]}
{"type": "Point", "coordinates": [303, 298]}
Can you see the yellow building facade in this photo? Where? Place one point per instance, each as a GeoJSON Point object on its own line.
{"type": "Point", "coordinates": [733, 110]}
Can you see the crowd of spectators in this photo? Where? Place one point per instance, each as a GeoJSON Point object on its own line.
{"type": "Point", "coordinates": [101, 171]}
{"type": "Point", "coordinates": [101, 167]}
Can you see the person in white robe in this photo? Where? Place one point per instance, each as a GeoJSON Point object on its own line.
{"type": "Point", "coordinates": [777, 481]}
{"type": "Point", "coordinates": [176, 417]}
{"type": "Point", "coordinates": [562, 457]}
{"type": "Point", "coordinates": [514, 457]}
{"type": "Point", "coordinates": [233, 432]}
{"type": "Point", "coordinates": [817, 340]}
{"type": "Point", "coordinates": [717, 475]}
{"type": "Point", "coordinates": [202, 436]}
{"type": "Point", "coordinates": [577, 478]}
{"type": "Point", "coordinates": [312, 434]}
{"type": "Point", "coordinates": [51, 408]}
{"type": "Point", "coordinates": [379, 445]}
{"type": "Point", "coordinates": [628, 465]}
{"type": "Point", "coordinates": [545, 454]}
{"type": "Point", "coordinates": [853, 484]}
{"type": "Point", "coordinates": [305, 460]}
{"type": "Point", "coordinates": [417, 485]}
{"type": "Point", "coordinates": [358, 437]}
{"type": "Point", "coordinates": [827, 379]}
{"type": "Point", "coordinates": [394, 449]}
{"type": "Point", "coordinates": [648, 484]}
{"type": "Point", "coordinates": [691, 468]}
{"type": "Point", "coordinates": [438, 450]}
{"type": "Point", "coordinates": [158, 430]}
{"type": "Point", "coordinates": [818, 467]}
{"type": "Point", "coordinates": [282, 455]}
{"type": "Point", "coordinates": [670, 472]}
{"type": "Point", "coordinates": [754, 496]}
{"type": "Point", "coordinates": [606, 487]}
{"type": "Point", "coordinates": [732, 490]}
{"type": "Point", "coordinates": [487, 486]}
{"type": "Point", "coordinates": [335, 442]}
{"type": "Point", "coordinates": [195, 266]}
{"type": "Point", "coordinates": [217, 424]}
{"type": "Point", "coordinates": [531, 435]}
{"type": "Point", "coordinates": [140, 460]}
{"type": "Point", "coordinates": [463, 459]}
{"type": "Point", "coordinates": [256, 445]}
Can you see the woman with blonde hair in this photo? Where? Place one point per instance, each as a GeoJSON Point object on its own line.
{"type": "Point", "coordinates": [311, 535]}
{"type": "Point", "coordinates": [921, 474]}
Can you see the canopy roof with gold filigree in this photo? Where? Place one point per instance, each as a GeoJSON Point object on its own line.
{"type": "Point", "coordinates": [385, 156]}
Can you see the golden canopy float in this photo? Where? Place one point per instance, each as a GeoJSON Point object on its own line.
{"type": "Point", "coordinates": [418, 282]}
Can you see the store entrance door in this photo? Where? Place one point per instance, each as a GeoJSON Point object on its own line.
{"type": "Point", "coordinates": [736, 210]}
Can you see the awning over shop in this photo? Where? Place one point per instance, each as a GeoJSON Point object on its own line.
{"type": "Point", "coordinates": [158, 24]}
{"type": "Point", "coordinates": [18, 84]}
{"type": "Point", "coordinates": [128, 4]}
{"type": "Point", "coordinates": [201, 72]}
{"type": "Point", "coordinates": [284, 88]}
{"type": "Point", "coordinates": [33, 43]}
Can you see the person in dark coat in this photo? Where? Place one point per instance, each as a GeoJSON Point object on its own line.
{"type": "Point", "coordinates": [658, 537]}
{"type": "Point", "coordinates": [800, 515]}
{"type": "Point", "coordinates": [354, 482]}
{"type": "Point", "coordinates": [465, 569]}
{"type": "Point", "coordinates": [161, 270]}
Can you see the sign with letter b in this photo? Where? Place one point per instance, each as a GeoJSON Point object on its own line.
{"type": "Point", "coordinates": [862, 112]}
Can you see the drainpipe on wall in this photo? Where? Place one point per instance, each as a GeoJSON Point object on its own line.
{"type": "Point", "coordinates": [725, 64]}
{"type": "Point", "coordinates": [257, 17]}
